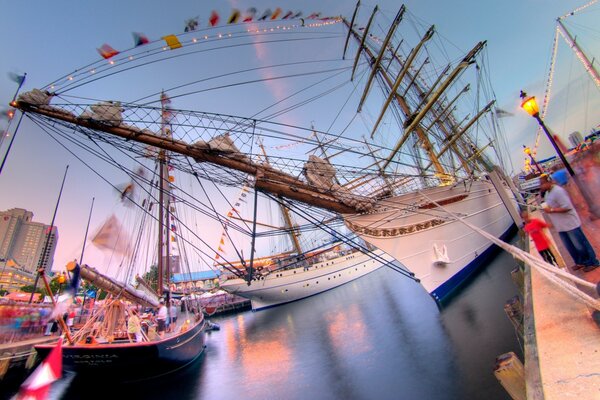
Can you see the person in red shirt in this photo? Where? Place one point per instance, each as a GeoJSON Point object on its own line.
{"type": "Point", "coordinates": [534, 227]}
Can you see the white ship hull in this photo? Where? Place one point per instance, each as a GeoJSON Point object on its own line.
{"type": "Point", "coordinates": [409, 227]}
{"type": "Point", "coordinates": [294, 284]}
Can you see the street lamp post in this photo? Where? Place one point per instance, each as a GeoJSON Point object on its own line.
{"type": "Point", "coordinates": [527, 151]}
{"type": "Point", "coordinates": [530, 106]}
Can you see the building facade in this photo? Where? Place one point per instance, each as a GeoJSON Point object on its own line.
{"type": "Point", "coordinates": [23, 247]}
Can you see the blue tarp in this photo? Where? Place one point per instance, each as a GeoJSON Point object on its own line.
{"type": "Point", "coordinates": [195, 276]}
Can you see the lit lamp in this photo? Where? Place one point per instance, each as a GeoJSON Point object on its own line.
{"type": "Point", "coordinates": [530, 106]}
{"type": "Point", "coordinates": [527, 151]}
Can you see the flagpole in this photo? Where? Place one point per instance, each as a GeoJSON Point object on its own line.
{"type": "Point", "coordinates": [86, 232]}
{"type": "Point", "coordinates": [12, 139]}
{"type": "Point", "coordinates": [41, 270]}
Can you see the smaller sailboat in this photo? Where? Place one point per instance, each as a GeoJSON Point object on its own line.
{"type": "Point", "coordinates": [102, 346]}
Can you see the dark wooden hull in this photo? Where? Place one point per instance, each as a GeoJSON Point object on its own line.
{"type": "Point", "coordinates": [133, 361]}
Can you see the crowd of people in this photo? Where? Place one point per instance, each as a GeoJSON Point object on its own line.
{"type": "Point", "coordinates": [22, 321]}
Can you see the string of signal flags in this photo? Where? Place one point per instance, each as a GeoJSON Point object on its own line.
{"type": "Point", "coordinates": [192, 24]}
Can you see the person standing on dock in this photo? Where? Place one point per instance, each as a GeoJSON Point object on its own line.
{"type": "Point", "coordinates": [561, 212]}
{"type": "Point", "coordinates": [534, 228]}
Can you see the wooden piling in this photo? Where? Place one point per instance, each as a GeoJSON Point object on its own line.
{"type": "Point", "coordinates": [31, 360]}
{"type": "Point", "coordinates": [510, 373]}
{"type": "Point", "coordinates": [514, 310]}
{"type": "Point", "coordinates": [518, 278]}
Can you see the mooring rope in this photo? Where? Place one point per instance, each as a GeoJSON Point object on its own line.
{"type": "Point", "coordinates": [549, 271]}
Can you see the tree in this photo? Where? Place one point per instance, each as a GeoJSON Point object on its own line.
{"type": "Point", "coordinates": [151, 277]}
{"type": "Point", "coordinates": [54, 286]}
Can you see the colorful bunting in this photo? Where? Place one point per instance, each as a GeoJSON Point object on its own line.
{"type": "Point", "coordinates": [250, 13]}
{"type": "Point", "coordinates": [214, 18]}
{"type": "Point", "coordinates": [265, 15]}
{"type": "Point", "coordinates": [191, 24]}
{"type": "Point", "coordinates": [172, 41]}
{"type": "Point", "coordinates": [234, 17]}
{"type": "Point", "coordinates": [127, 193]}
{"type": "Point", "coordinates": [139, 39]}
{"type": "Point", "coordinates": [287, 15]}
{"type": "Point", "coordinates": [276, 13]}
{"type": "Point", "coordinates": [106, 51]}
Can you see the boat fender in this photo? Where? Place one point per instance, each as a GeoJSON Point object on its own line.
{"type": "Point", "coordinates": [440, 255]}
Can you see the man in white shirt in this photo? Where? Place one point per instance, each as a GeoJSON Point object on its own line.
{"type": "Point", "coordinates": [565, 220]}
{"type": "Point", "coordinates": [161, 318]}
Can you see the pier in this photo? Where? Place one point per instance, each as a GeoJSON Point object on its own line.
{"type": "Point", "coordinates": [561, 336]}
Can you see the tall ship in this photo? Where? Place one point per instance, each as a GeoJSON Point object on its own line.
{"type": "Point", "coordinates": [404, 173]}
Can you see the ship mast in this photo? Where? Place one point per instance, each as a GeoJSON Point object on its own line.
{"type": "Point", "coordinates": [288, 223]}
{"type": "Point", "coordinates": [572, 42]}
{"type": "Point", "coordinates": [429, 98]}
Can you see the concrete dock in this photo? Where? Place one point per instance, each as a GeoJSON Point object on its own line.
{"type": "Point", "coordinates": [562, 341]}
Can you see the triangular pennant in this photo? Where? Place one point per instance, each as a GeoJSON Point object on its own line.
{"type": "Point", "coordinates": [139, 39]}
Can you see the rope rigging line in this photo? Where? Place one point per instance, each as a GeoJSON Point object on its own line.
{"type": "Point", "coordinates": [95, 75]}
{"type": "Point", "coordinates": [348, 241]}
{"type": "Point", "coordinates": [116, 188]}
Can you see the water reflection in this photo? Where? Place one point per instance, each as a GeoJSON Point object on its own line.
{"type": "Point", "coordinates": [380, 337]}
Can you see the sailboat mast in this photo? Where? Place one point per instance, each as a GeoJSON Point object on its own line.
{"type": "Point", "coordinates": [285, 212]}
{"type": "Point", "coordinates": [159, 286]}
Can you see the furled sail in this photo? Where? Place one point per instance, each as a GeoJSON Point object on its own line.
{"type": "Point", "coordinates": [117, 288]}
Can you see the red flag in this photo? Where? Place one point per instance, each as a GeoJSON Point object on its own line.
{"type": "Point", "coordinates": [214, 18]}
{"type": "Point", "coordinates": [107, 52]}
{"type": "Point", "coordinates": [37, 385]}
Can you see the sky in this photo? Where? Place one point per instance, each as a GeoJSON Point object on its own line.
{"type": "Point", "coordinates": [50, 39]}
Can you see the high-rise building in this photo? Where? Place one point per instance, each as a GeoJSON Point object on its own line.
{"type": "Point", "coordinates": [23, 247]}
{"type": "Point", "coordinates": [575, 139]}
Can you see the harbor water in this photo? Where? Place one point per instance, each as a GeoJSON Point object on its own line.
{"type": "Point", "coordinates": [379, 337]}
